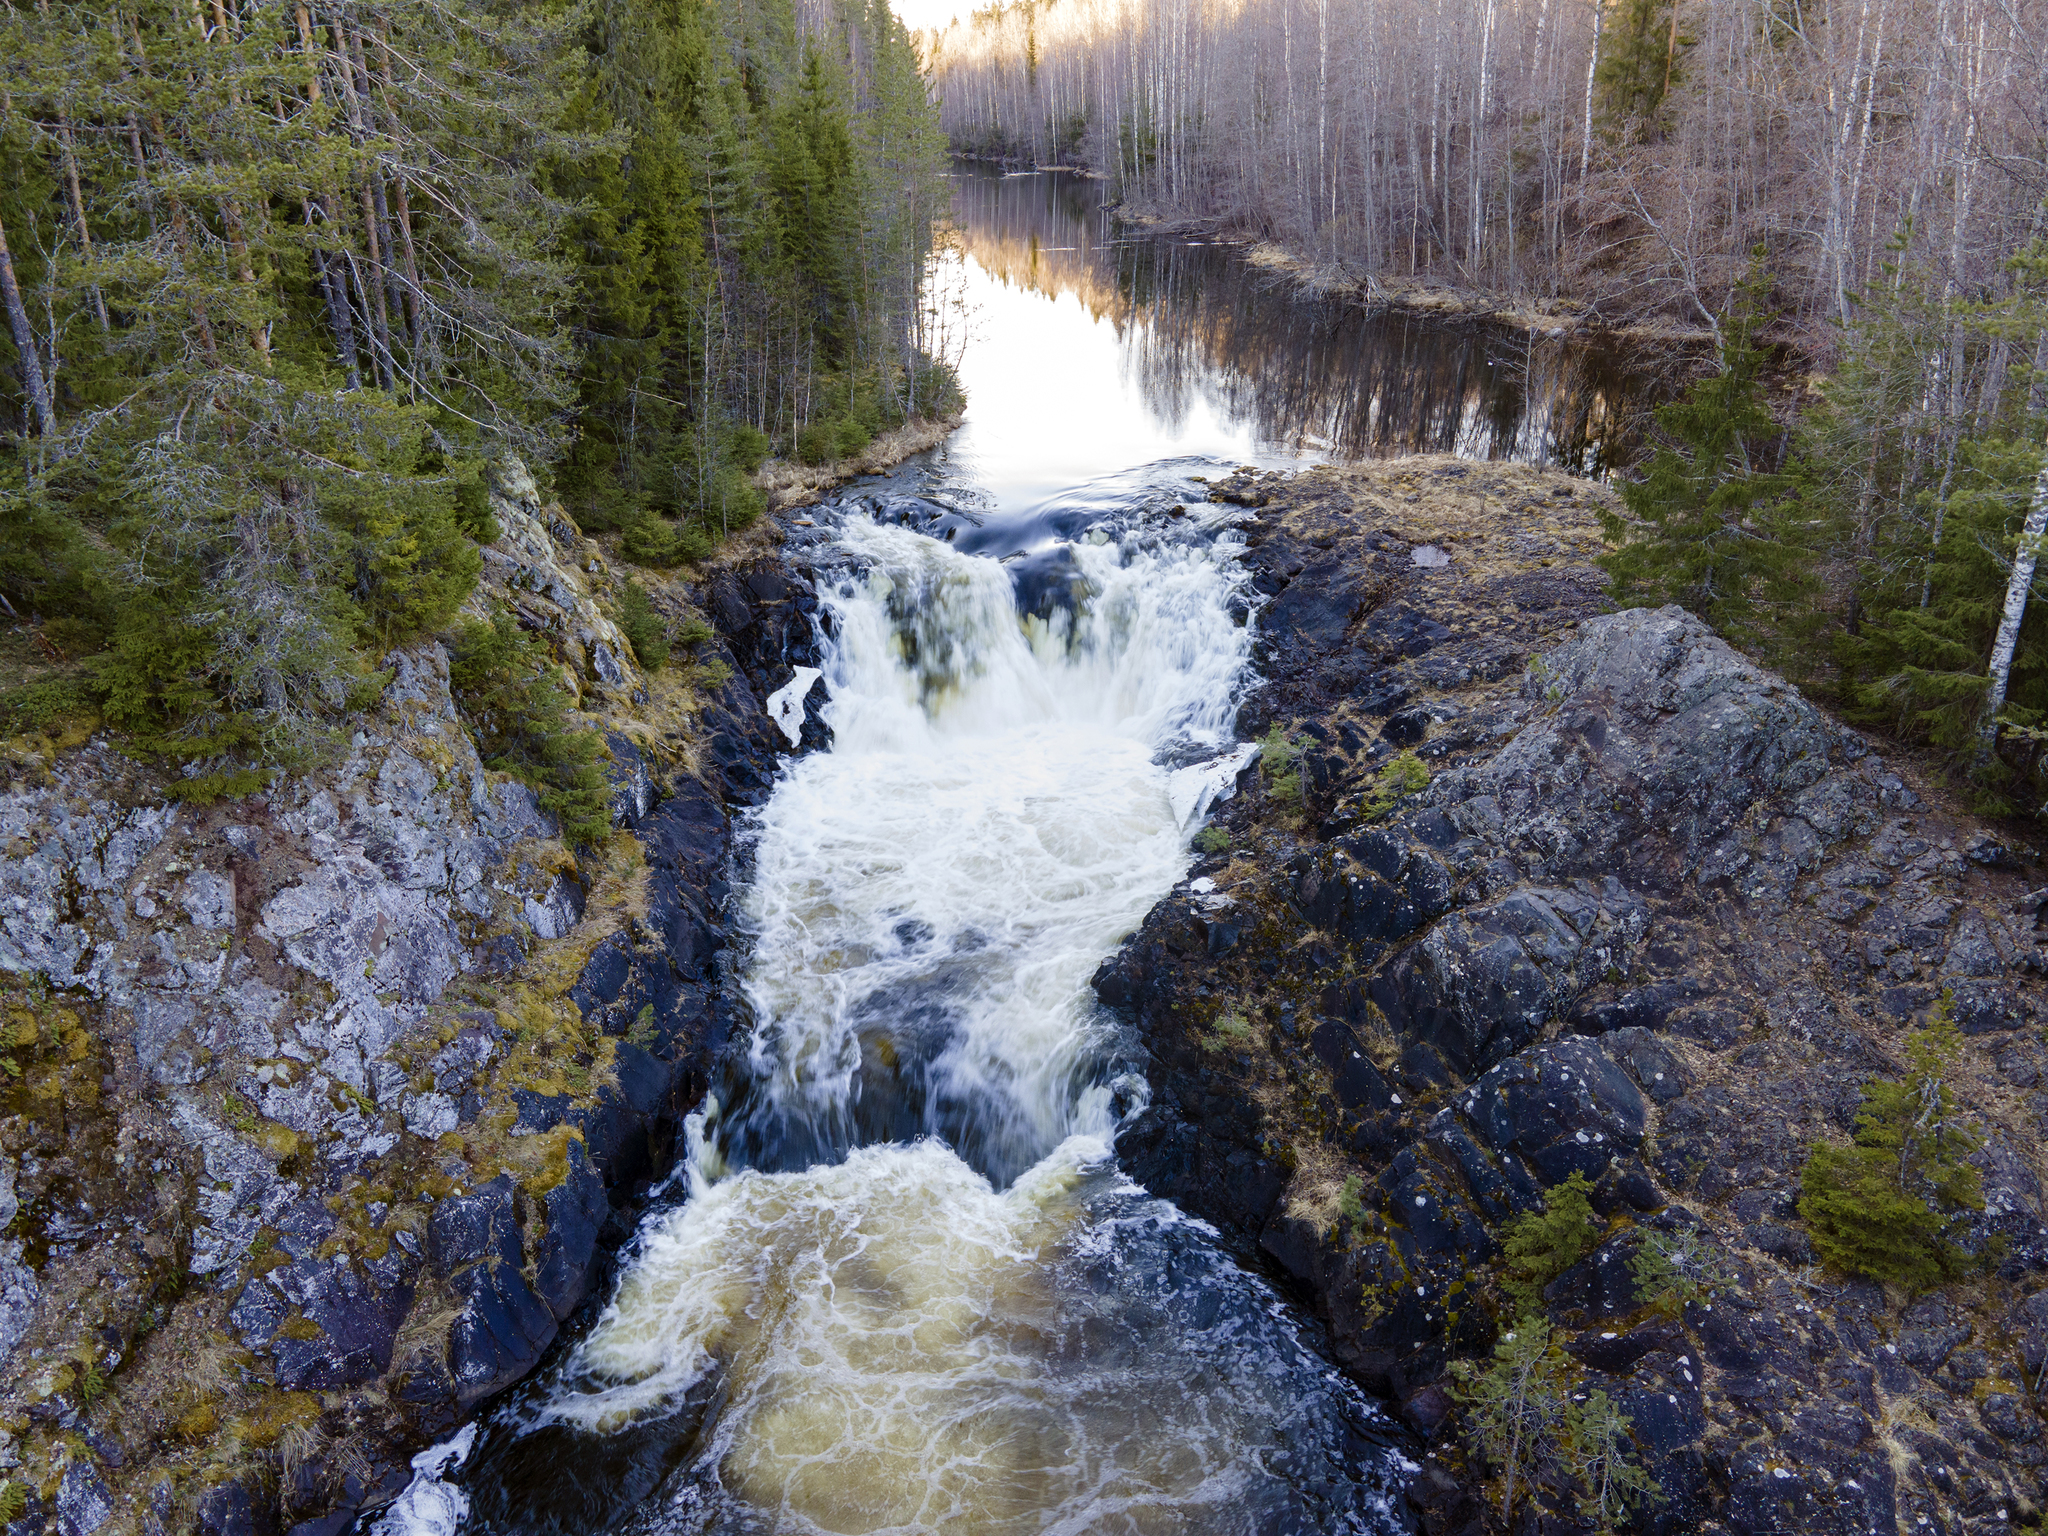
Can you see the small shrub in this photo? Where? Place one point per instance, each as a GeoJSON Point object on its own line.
{"type": "Point", "coordinates": [694, 631]}
{"type": "Point", "coordinates": [13, 1500]}
{"type": "Point", "coordinates": [1674, 1269]}
{"type": "Point", "coordinates": [504, 681]}
{"type": "Point", "coordinates": [654, 541]}
{"type": "Point", "coordinates": [1544, 1244]}
{"type": "Point", "coordinates": [1598, 1451]}
{"type": "Point", "coordinates": [1213, 840]}
{"type": "Point", "coordinates": [1402, 775]}
{"type": "Point", "coordinates": [1351, 1203]}
{"type": "Point", "coordinates": [473, 513]}
{"type": "Point", "coordinates": [1526, 1411]}
{"type": "Point", "coordinates": [1229, 1029]}
{"type": "Point", "coordinates": [643, 628]}
{"type": "Point", "coordinates": [815, 443]}
{"type": "Point", "coordinates": [1280, 762]}
{"type": "Point", "coordinates": [1886, 1204]}
{"type": "Point", "coordinates": [748, 446]}
{"type": "Point", "coordinates": [850, 437]}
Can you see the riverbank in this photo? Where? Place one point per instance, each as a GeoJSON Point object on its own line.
{"type": "Point", "coordinates": [788, 483]}
{"type": "Point", "coordinates": [326, 1107]}
{"type": "Point", "coordinates": [1529, 889]}
{"type": "Point", "coordinates": [1424, 297]}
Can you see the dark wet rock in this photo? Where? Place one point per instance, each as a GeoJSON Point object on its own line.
{"type": "Point", "coordinates": [500, 1332]}
{"type": "Point", "coordinates": [1485, 980]}
{"type": "Point", "coordinates": [1678, 918]}
{"type": "Point", "coordinates": [235, 1509]}
{"type": "Point", "coordinates": [478, 1228]}
{"type": "Point", "coordinates": [355, 1309]}
{"type": "Point", "coordinates": [1563, 1108]}
{"type": "Point", "coordinates": [575, 1211]}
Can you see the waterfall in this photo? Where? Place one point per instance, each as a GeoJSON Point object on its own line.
{"type": "Point", "coordinates": [909, 1290]}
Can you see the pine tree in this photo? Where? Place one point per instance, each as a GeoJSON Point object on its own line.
{"type": "Point", "coordinates": [1949, 650]}
{"type": "Point", "coordinates": [1641, 58]}
{"type": "Point", "coordinates": [1887, 1204]}
{"type": "Point", "coordinates": [1544, 1244]}
{"type": "Point", "coordinates": [1704, 528]}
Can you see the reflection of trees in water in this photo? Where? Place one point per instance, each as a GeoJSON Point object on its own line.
{"type": "Point", "coordinates": [1199, 324]}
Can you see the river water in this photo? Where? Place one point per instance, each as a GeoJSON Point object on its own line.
{"type": "Point", "coordinates": [901, 1285]}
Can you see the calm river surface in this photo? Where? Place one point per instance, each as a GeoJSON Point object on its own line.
{"type": "Point", "coordinates": [901, 1285]}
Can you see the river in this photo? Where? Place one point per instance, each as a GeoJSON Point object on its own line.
{"type": "Point", "coordinates": [900, 1284]}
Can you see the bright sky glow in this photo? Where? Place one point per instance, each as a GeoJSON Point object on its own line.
{"type": "Point", "coordinates": [919, 14]}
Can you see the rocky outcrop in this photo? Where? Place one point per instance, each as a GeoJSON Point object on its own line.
{"type": "Point", "coordinates": [324, 1106]}
{"type": "Point", "coordinates": [1653, 918]}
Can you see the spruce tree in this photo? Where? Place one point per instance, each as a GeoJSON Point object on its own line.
{"type": "Point", "coordinates": [1704, 528]}
{"type": "Point", "coordinates": [1887, 1204]}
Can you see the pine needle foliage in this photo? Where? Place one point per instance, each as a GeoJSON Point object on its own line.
{"type": "Point", "coordinates": [290, 279]}
{"type": "Point", "coordinates": [643, 627]}
{"type": "Point", "coordinates": [503, 679]}
{"type": "Point", "coordinates": [1542, 1245]}
{"type": "Point", "coordinates": [1526, 1410]}
{"type": "Point", "coordinates": [1887, 1205]}
{"type": "Point", "coordinates": [1704, 527]}
{"type": "Point", "coordinates": [1280, 767]}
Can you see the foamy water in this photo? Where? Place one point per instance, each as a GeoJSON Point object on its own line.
{"type": "Point", "coordinates": [909, 1291]}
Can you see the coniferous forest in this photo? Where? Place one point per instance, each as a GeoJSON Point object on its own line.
{"type": "Point", "coordinates": [282, 281]}
{"type": "Point", "coordinates": [1841, 204]}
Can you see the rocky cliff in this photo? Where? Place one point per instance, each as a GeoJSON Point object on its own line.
{"type": "Point", "coordinates": [321, 1107]}
{"type": "Point", "coordinates": [1634, 908]}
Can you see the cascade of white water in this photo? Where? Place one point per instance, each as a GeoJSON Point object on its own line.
{"type": "Point", "coordinates": [931, 896]}
{"type": "Point", "coordinates": [926, 1298]}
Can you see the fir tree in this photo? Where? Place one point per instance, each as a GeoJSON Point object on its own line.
{"type": "Point", "coordinates": [1542, 1245]}
{"type": "Point", "coordinates": [1887, 1204]}
{"type": "Point", "coordinates": [1703, 528]}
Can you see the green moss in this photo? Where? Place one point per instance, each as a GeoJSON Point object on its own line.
{"type": "Point", "coordinates": [47, 708]}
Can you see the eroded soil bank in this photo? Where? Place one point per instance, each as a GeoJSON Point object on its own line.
{"type": "Point", "coordinates": [1654, 918]}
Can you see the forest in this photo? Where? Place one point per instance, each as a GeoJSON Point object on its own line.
{"type": "Point", "coordinates": [284, 278]}
{"type": "Point", "coordinates": [1830, 211]}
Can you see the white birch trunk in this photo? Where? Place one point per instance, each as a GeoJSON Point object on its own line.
{"type": "Point", "coordinates": [2017, 589]}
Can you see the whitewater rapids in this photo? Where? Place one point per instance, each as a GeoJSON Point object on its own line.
{"type": "Point", "coordinates": [908, 1290]}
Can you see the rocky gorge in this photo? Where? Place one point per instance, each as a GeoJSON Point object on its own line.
{"type": "Point", "coordinates": [325, 1109]}
{"type": "Point", "coordinates": [1545, 889]}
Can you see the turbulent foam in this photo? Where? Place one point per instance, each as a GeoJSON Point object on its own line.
{"type": "Point", "coordinates": [931, 896]}
{"type": "Point", "coordinates": [901, 1347]}
{"type": "Point", "coordinates": [908, 1290]}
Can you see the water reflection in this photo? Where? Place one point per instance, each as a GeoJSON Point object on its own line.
{"type": "Point", "coordinates": [1216, 357]}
